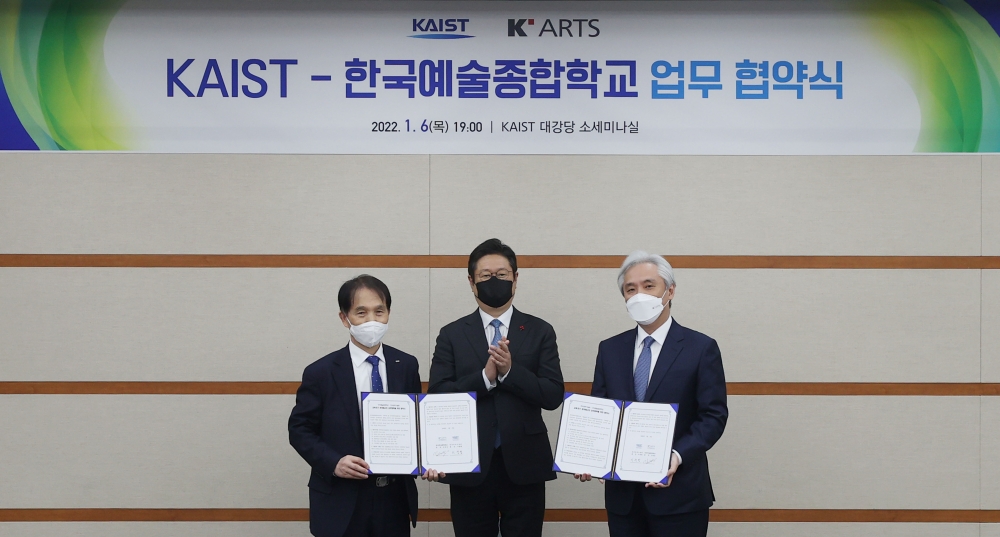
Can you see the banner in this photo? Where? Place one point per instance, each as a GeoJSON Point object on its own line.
{"type": "Point", "coordinates": [656, 78]}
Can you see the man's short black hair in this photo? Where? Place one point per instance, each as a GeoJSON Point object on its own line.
{"type": "Point", "coordinates": [491, 247]}
{"type": "Point", "coordinates": [347, 291]}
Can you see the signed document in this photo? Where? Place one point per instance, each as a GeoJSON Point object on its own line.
{"type": "Point", "coordinates": [612, 439]}
{"type": "Point", "coordinates": [407, 433]}
{"type": "Point", "coordinates": [645, 442]}
{"type": "Point", "coordinates": [449, 432]}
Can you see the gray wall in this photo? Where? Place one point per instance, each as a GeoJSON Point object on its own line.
{"type": "Point", "coordinates": [252, 324]}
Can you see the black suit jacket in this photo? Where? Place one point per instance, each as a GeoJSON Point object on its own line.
{"type": "Point", "coordinates": [325, 425]}
{"type": "Point", "coordinates": [515, 406]}
{"type": "Point", "coordinates": [688, 372]}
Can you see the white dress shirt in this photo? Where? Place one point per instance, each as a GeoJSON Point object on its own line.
{"type": "Point", "coordinates": [504, 319]}
{"type": "Point", "coordinates": [363, 370]}
{"type": "Point", "coordinates": [658, 335]}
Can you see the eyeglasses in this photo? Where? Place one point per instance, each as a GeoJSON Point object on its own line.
{"type": "Point", "coordinates": [485, 275]}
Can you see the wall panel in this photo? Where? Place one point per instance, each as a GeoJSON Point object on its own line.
{"type": "Point", "coordinates": [991, 204]}
{"type": "Point", "coordinates": [779, 452]}
{"type": "Point", "coordinates": [794, 529]}
{"type": "Point", "coordinates": [267, 324]}
{"type": "Point", "coordinates": [837, 325]}
{"type": "Point", "coordinates": [772, 325]}
{"type": "Point", "coordinates": [444, 529]}
{"type": "Point", "coordinates": [990, 343]}
{"type": "Point", "coordinates": [990, 453]}
{"type": "Point", "coordinates": [188, 324]}
{"type": "Point", "coordinates": [848, 453]}
{"type": "Point", "coordinates": [213, 204]}
{"type": "Point", "coordinates": [687, 205]}
{"type": "Point", "coordinates": [159, 529]}
{"type": "Point", "coordinates": [232, 452]}
{"type": "Point", "coordinates": [149, 452]}
{"type": "Point", "coordinates": [550, 529]}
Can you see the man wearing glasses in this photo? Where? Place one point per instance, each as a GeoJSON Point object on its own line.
{"type": "Point", "coordinates": [511, 361]}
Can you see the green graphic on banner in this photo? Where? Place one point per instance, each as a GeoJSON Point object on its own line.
{"type": "Point", "coordinates": [52, 61]}
{"type": "Point", "coordinates": [952, 57]}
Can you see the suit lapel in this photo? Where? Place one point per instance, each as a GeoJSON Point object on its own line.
{"type": "Point", "coordinates": [517, 331]}
{"type": "Point", "coordinates": [343, 377]}
{"type": "Point", "coordinates": [626, 355]}
{"type": "Point", "coordinates": [393, 370]}
{"type": "Point", "coordinates": [672, 346]}
{"type": "Point", "coordinates": [477, 337]}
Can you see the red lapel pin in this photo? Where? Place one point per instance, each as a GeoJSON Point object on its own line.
{"type": "Point", "coordinates": [522, 327]}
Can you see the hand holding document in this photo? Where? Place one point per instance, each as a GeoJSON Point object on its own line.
{"type": "Point", "coordinates": [612, 439]}
{"type": "Point", "coordinates": [420, 434]}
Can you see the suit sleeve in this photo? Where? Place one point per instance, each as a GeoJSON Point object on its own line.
{"type": "Point", "coordinates": [712, 409]}
{"type": "Point", "coordinates": [305, 423]}
{"type": "Point", "coordinates": [444, 375]}
{"type": "Point", "coordinates": [544, 389]}
{"type": "Point", "coordinates": [599, 388]}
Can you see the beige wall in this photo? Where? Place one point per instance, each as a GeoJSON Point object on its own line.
{"type": "Point", "coordinates": [773, 325]}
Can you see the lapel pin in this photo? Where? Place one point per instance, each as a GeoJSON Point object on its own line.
{"type": "Point", "coordinates": [522, 327]}
{"type": "Point", "coordinates": [397, 361]}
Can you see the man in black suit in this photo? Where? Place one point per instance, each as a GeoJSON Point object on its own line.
{"type": "Point", "coordinates": [662, 361]}
{"type": "Point", "coordinates": [325, 425]}
{"type": "Point", "coordinates": [511, 361]}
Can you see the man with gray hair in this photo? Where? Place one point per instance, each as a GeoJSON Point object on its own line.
{"type": "Point", "coordinates": [662, 361]}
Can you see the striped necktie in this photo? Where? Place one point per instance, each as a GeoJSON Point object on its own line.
{"type": "Point", "coordinates": [495, 323]}
{"type": "Point", "coordinates": [641, 375]}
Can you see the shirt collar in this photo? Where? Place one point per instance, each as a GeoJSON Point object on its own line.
{"type": "Point", "coordinates": [659, 335]}
{"type": "Point", "coordinates": [358, 355]}
{"type": "Point", "coordinates": [504, 318]}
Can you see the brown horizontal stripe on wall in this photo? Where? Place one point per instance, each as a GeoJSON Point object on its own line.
{"type": "Point", "coordinates": [288, 388]}
{"type": "Point", "coordinates": [551, 515]}
{"type": "Point", "coordinates": [148, 388]}
{"type": "Point", "coordinates": [862, 388]}
{"type": "Point", "coordinates": [970, 516]}
{"type": "Point", "coordinates": [154, 515]}
{"type": "Point", "coordinates": [460, 261]}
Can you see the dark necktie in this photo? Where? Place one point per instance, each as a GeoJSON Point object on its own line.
{"type": "Point", "coordinates": [376, 377]}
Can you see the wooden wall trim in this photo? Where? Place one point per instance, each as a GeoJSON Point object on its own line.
{"type": "Point", "coordinates": [460, 261]}
{"type": "Point", "coordinates": [147, 388]}
{"type": "Point", "coordinates": [551, 515]}
{"type": "Point", "coordinates": [969, 516]}
{"type": "Point", "coordinates": [288, 388]}
{"type": "Point", "coordinates": [864, 388]}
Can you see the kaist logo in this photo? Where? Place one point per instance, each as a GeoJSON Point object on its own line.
{"type": "Point", "coordinates": [515, 27]}
{"type": "Point", "coordinates": [440, 28]}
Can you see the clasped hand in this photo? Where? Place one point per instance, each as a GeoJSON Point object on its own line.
{"type": "Point", "coordinates": [500, 359]}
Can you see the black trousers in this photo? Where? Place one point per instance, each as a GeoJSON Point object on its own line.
{"type": "Point", "coordinates": [640, 523]}
{"type": "Point", "coordinates": [380, 511]}
{"type": "Point", "coordinates": [498, 503]}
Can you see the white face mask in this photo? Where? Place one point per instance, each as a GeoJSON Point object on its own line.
{"type": "Point", "coordinates": [369, 334]}
{"type": "Point", "coordinates": [643, 308]}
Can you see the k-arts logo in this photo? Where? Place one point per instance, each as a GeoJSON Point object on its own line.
{"type": "Point", "coordinates": [440, 28]}
{"type": "Point", "coordinates": [559, 28]}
